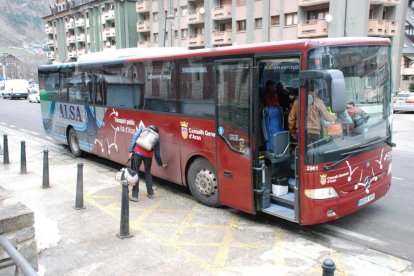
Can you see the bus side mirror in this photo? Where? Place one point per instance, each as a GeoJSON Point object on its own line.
{"type": "Point", "coordinates": [338, 91]}
{"type": "Point", "coordinates": [336, 85]}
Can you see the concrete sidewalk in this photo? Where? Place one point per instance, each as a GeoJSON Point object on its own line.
{"type": "Point", "coordinates": [172, 234]}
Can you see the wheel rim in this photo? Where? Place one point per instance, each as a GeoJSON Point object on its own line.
{"type": "Point", "coordinates": [206, 182]}
{"type": "Point", "coordinates": [74, 142]}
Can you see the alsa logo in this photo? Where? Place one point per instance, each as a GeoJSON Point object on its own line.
{"type": "Point", "coordinates": [70, 112]}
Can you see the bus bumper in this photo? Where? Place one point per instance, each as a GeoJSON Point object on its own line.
{"type": "Point", "coordinates": [320, 211]}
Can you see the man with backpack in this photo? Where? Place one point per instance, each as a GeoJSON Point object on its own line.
{"type": "Point", "coordinates": [144, 143]}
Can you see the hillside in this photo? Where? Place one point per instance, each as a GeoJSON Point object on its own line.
{"type": "Point", "coordinates": [21, 22]}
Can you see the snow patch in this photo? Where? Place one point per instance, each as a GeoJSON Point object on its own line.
{"type": "Point", "coordinates": [47, 232]}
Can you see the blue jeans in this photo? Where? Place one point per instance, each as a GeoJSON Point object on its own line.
{"type": "Point", "coordinates": [137, 159]}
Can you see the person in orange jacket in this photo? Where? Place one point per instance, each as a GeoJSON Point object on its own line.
{"type": "Point", "coordinates": [316, 109]}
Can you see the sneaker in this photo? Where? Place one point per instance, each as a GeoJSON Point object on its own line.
{"type": "Point", "coordinates": [150, 196]}
{"type": "Point", "coordinates": [132, 198]}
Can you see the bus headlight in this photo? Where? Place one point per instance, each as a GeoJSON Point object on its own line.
{"type": "Point", "coordinates": [323, 193]}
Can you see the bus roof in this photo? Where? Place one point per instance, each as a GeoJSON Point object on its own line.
{"type": "Point", "coordinates": [160, 53]}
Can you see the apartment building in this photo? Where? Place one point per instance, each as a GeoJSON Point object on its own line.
{"type": "Point", "coordinates": [407, 62]}
{"type": "Point", "coordinates": [81, 26]}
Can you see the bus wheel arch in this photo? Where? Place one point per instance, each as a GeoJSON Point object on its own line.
{"type": "Point", "coordinates": [73, 141]}
{"type": "Point", "coordinates": [203, 182]}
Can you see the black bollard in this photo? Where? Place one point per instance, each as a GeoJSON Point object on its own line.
{"type": "Point", "coordinates": [328, 268]}
{"type": "Point", "coordinates": [23, 167]}
{"type": "Point", "coordinates": [45, 183]}
{"type": "Point", "coordinates": [5, 150]}
{"type": "Point", "coordinates": [124, 231]}
{"type": "Point", "coordinates": [79, 188]}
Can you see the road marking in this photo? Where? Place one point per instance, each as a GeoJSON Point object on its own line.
{"type": "Point", "coordinates": [354, 234]}
{"type": "Point", "coordinates": [397, 178]}
{"type": "Point", "coordinates": [30, 132]}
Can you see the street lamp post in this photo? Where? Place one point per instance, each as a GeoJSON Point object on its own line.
{"type": "Point", "coordinates": [169, 17]}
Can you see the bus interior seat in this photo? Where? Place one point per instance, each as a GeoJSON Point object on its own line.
{"type": "Point", "coordinates": [280, 152]}
{"type": "Point", "coordinates": [272, 122]}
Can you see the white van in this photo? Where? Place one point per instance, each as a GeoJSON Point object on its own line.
{"type": "Point", "coordinates": [15, 89]}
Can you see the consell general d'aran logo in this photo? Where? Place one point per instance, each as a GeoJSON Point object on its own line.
{"type": "Point", "coordinates": [194, 134]}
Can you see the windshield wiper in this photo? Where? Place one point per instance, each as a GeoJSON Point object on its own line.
{"type": "Point", "coordinates": [350, 154]}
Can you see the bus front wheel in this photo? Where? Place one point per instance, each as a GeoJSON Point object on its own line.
{"type": "Point", "coordinates": [74, 143]}
{"type": "Point", "coordinates": [202, 182]}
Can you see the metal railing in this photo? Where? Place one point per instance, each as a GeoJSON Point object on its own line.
{"type": "Point", "coordinates": [18, 259]}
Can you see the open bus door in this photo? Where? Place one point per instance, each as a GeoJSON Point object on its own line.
{"type": "Point", "coordinates": [233, 84]}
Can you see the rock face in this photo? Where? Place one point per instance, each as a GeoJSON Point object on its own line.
{"type": "Point", "coordinates": [21, 22]}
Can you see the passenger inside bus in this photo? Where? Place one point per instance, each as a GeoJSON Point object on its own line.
{"type": "Point", "coordinates": [283, 94]}
{"type": "Point", "coordinates": [316, 112]}
{"type": "Point", "coordinates": [269, 97]}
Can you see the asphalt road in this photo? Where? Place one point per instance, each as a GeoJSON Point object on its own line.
{"type": "Point", "coordinates": [387, 225]}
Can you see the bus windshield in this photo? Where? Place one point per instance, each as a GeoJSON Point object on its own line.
{"type": "Point", "coordinates": [366, 70]}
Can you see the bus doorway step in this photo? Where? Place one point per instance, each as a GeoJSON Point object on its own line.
{"type": "Point", "coordinates": [280, 211]}
{"type": "Point", "coordinates": [287, 199]}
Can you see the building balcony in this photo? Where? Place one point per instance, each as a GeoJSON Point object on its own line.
{"type": "Point", "coordinates": [390, 27]}
{"type": "Point", "coordinates": [305, 3]}
{"type": "Point", "coordinates": [112, 47]}
{"type": "Point", "coordinates": [81, 51]}
{"type": "Point", "coordinates": [196, 41]}
{"type": "Point", "coordinates": [50, 42]}
{"type": "Point", "coordinates": [88, 38]}
{"type": "Point", "coordinates": [376, 27]}
{"type": "Point", "coordinates": [109, 32]}
{"type": "Point", "coordinates": [49, 30]}
{"type": "Point", "coordinates": [143, 6]}
{"type": "Point", "coordinates": [143, 26]}
{"type": "Point", "coordinates": [72, 54]}
{"type": "Point", "coordinates": [407, 71]}
{"type": "Point", "coordinates": [143, 44]}
{"type": "Point", "coordinates": [71, 39]}
{"type": "Point", "coordinates": [87, 23]}
{"type": "Point", "coordinates": [108, 15]}
{"type": "Point", "coordinates": [385, 2]}
{"type": "Point", "coordinates": [222, 38]}
{"type": "Point", "coordinates": [51, 55]}
{"type": "Point", "coordinates": [70, 25]}
{"type": "Point", "coordinates": [221, 12]}
{"type": "Point", "coordinates": [79, 22]}
{"type": "Point", "coordinates": [80, 38]}
{"type": "Point", "coordinates": [194, 17]}
{"type": "Point", "coordinates": [313, 28]}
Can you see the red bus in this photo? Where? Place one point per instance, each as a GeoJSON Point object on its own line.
{"type": "Point", "coordinates": [207, 106]}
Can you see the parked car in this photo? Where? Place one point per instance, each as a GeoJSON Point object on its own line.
{"type": "Point", "coordinates": [403, 101]}
{"type": "Point", "coordinates": [34, 96]}
{"type": "Point", "coordinates": [18, 88]}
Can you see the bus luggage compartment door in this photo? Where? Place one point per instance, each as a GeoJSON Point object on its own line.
{"type": "Point", "coordinates": [233, 81]}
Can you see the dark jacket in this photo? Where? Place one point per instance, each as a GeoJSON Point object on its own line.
{"type": "Point", "coordinates": [156, 148]}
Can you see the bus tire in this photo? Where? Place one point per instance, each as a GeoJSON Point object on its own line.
{"type": "Point", "coordinates": [74, 143]}
{"type": "Point", "coordinates": [202, 182]}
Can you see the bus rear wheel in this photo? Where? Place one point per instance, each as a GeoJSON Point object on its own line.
{"type": "Point", "coordinates": [202, 182]}
{"type": "Point", "coordinates": [74, 143]}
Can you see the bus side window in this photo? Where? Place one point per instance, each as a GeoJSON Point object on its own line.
{"type": "Point", "coordinates": [195, 87]}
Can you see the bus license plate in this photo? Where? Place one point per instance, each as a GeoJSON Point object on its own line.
{"type": "Point", "coordinates": [366, 199]}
